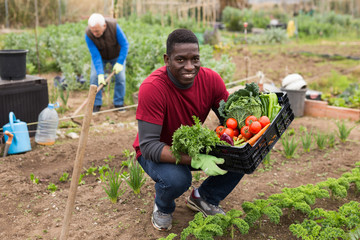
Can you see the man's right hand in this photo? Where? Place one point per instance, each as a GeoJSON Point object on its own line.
{"type": "Point", "coordinates": [101, 79]}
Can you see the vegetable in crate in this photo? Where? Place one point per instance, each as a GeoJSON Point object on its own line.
{"type": "Point", "coordinates": [271, 106]}
{"type": "Point", "coordinates": [241, 104]}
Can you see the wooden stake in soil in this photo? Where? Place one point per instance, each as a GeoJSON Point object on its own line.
{"type": "Point", "coordinates": [87, 100]}
{"type": "Point", "coordinates": [78, 163]}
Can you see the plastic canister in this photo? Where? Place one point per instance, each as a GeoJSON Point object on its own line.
{"type": "Point", "coordinates": [47, 125]}
{"type": "Point", "coordinates": [21, 140]}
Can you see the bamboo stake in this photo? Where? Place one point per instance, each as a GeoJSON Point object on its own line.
{"type": "Point", "coordinates": [78, 163]}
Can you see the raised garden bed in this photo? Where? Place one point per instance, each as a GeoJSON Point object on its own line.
{"type": "Point", "coordinates": [315, 108]}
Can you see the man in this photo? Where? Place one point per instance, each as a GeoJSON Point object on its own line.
{"type": "Point", "coordinates": [169, 97]}
{"type": "Point", "coordinates": [107, 43]}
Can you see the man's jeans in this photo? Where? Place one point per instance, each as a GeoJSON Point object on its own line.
{"type": "Point", "coordinates": [120, 84]}
{"type": "Point", "coordinates": [172, 180]}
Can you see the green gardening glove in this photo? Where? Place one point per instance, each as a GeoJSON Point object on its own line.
{"type": "Point", "coordinates": [101, 79]}
{"type": "Point", "coordinates": [208, 164]}
{"type": "Point", "coordinates": [118, 68]}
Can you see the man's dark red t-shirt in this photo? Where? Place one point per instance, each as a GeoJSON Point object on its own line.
{"type": "Point", "coordinates": [161, 102]}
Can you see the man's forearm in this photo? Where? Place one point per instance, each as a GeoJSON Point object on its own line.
{"type": "Point", "coordinates": [168, 157]}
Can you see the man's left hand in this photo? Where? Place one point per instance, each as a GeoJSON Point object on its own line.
{"type": "Point", "coordinates": [118, 68]}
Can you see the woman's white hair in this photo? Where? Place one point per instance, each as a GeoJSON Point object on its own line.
{"type": "Point", "coordinates": [96, 18]}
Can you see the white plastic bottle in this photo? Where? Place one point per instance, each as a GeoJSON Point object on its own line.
{"type": "Point", "coordinates": [47, 125]}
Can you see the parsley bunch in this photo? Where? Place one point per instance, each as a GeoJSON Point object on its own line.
{"type": "Point", "coordinates": [193, 140]}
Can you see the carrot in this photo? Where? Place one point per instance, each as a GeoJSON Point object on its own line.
{"type": "Point", "coordinates": [254, 138]}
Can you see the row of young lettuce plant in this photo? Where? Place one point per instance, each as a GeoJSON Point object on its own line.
{"type": "Point", "coordinates": [319, 223]}
{"type": "Point", "coordinates": [63, 49]}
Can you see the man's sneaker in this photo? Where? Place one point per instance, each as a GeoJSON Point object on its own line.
{"type": "Point", "coordinates": [96, 108]}
{"type": "Point", "coordinates": [121, 108]}
{"type": "Point", "coordinates": [161, 221]}
{"type": "Point", "coordinates": [200, 205]}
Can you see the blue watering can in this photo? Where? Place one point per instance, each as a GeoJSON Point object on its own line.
{"type": "Point", "coordinates": [21, 140]}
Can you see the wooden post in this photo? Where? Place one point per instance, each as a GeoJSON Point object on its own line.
{"type": "Point", "coordinates": [78, 163]}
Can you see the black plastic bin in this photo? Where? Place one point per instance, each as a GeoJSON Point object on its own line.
{"type": "Point", "coordinates": [245, 159]}
{"type": "Point", "coordinates": [13, 64]}
{"type": "Point", "coordinates": [25, 98]}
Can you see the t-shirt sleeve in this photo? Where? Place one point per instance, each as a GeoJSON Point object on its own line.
{"type": "Point", "coordinates": [151, 104]}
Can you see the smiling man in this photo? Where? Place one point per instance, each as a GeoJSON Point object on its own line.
{"type": "Point", "coordinates": [168, 98]}
{"type": "Point", "coordinates": [107, 44]}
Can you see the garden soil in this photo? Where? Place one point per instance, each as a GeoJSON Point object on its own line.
{"type": "Point", "coordinates": [31, 211]}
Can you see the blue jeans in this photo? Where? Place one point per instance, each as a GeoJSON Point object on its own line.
{"type": "Point", "coordinates": [172, 180]}
{"type": "Point", "coordinates": [120, 84]}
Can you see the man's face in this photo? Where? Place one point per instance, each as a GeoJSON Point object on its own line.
{"type": "Point", "coordinates": [98, 30]}
{"type": "Point", "coordinates": [184, 62]}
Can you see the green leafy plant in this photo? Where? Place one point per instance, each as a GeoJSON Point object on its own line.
{"type": "Point", "coordinates": [338, 187]}
{"type": "Point", "coordinates": [321, 140]}
{"type": "Point", "coordinates": [112, 188]}
{"type": "Point", "coordinates": [104, 173]}
{"type": "Point", "coordinates": [331, 139]}
{"type": "Point", "coordinates": [232, 219]}
{"type": "Point", "coordinates": [52, 187]}
{"type": "Point", "coordinates": [328, 224]}
{"type": "Point", "coordinates": [129, 156]}
{"type": "Point", "coordinates": [81, 181]}
{"type": "Point", "coordinates": [203, 228]}
{"type": "Point", "coordinates": [136, 177]}
{"type": "Point", "coordinates": [109, 158]}
{"type": "Point", "coordinates": [34, 179]}
{"type": "Point", "coordinates": [299, 198]}
{"type": "Point", "coordinates": [343, 130]}
{"type": "Point", "coordinates": [64, 177]}
{"type": "Point", "coordinates": [171, 236]}
{"type": "Point", "coordinates": [192, 140]}
{"type": "Point", "coordinates": [91, 171]}
{"type": "Point", "coordinates": [354, 234]}
{"type": "Point", "coordinates": [306, 140]}
{"type": "Point", "coordinates": [254, 211]}
{"type": "Point", "coordinates": [290, 145]}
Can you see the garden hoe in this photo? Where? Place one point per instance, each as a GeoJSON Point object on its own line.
{"type": "Point", "coordinates": [8, 142]}
{"type": "Point", "coordinates": [87, 99]}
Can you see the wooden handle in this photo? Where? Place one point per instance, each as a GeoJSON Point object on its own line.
{"type": "Point", "coordinates": [78, 163]}
{"type": "Point", "coordinates": [87, 99]}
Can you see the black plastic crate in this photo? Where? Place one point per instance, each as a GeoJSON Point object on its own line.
{"type": "Point", "coordinates": [246, 158]}
{"type": "Point", "coordinates": [25, 98]}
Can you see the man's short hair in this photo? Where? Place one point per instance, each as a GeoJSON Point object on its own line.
{"type": "Point", "coordinates": [180, 36]}
{"type": "Point", "coordinates": [96, 18]}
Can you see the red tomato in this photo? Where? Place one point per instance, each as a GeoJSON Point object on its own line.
{"type": "Point", "coordinates": [231, 123]}
{"type": "Point", "coordinates": [219, 129]}
{"type": "Point", "coordinates": [250, 119]}
{"type": "Point", "coordinates": [255, 127]}
{"type": "Point", "coordinates": [245, 132]}
{"type": "Point", "coordinates": [236, 132]}
{"type": "Point", "coordinates": [264, 120]}
{"type": "Point", "coordinates": [229, 131]}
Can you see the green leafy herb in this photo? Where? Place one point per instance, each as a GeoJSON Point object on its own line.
{"type": "Point", "coordinates": [193, 140]}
